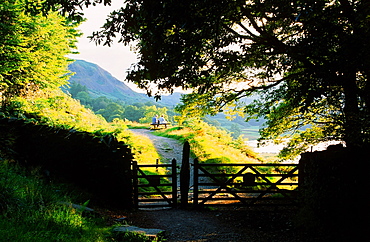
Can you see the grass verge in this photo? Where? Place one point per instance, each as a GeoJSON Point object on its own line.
{"type": "Point", "coordinates": [33, 209]}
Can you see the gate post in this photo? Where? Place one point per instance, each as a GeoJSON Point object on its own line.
{"type": "Point", "coordinates": [174, 183]}
{"type": "Point", "coordinates": [195, 184]}
{"type": "Point", "coordinates": [135, 184]}
{"type": "Point", "coordinates": [185, 175]}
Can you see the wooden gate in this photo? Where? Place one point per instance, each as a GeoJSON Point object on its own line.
{"type": "Point", "coordinates": [217, 184]}
{"type": "Point", "coordinates": [245, 184]}
{"type": "Point", "coordinates": [154, 190]}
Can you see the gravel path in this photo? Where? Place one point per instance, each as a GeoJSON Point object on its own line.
{"type": "Point", "coordinates": [168, 148]}
{"type": "Point", "coordinates": [232, 224]}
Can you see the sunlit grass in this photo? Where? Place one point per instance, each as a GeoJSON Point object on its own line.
{"type": "Point", "coordinates": [57, 109]}
{"type": "Point", "coordinates": [209, 143]}
{"type": "Point", "coordinates": [207, 147]}
{"type": "Point", "coordinates": [143, 149]}
{"type": "Point", "coordinates": [136, 125]}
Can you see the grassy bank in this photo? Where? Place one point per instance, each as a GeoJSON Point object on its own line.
{"type": "Point", "coordinates": [210, 144]}
{"type": "Point", "coordinates": [31, 210]}
{"type": "Point", "coordinates": [31, 207]}
{"type": "Point", "coordinates": [34, 209]}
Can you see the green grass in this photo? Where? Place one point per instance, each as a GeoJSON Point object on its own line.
{"type": "Point", "coordinates": [31, 209]}
{"type": "Point", "coordinates": [134, 125]}
{"type": "Point", "coordinates": [210, 144]}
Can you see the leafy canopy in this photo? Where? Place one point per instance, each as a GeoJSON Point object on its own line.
{"type": "Point", "coordinates": [33, 50]}
{"type": "Point", "coordinates": [307, 61]}
{"type": "Point", "coordinates": [72, 9]}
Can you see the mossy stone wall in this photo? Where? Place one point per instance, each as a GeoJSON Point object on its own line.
{"type": "Point", "coordinates": [101, 165]}
{"type": "Point", "coordinates": [334, 188]}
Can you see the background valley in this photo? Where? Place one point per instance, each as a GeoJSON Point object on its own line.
{"type": "Point", "coordinates": [98, 90]}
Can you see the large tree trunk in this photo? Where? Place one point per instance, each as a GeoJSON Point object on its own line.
{"type": "Point", "coordinates": [366, 95]}
{"type": "Point", "coordinates": [352, 117]}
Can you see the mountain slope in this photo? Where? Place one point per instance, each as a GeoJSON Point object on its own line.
{"type": "Point", "coordinates": [101, 83]}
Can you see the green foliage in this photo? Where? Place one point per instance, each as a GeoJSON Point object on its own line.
{"type": "Point", "coordinates": [133, 113]}
{"type": "Point", "coordinates": [75, 88]}
{"type": "Point", "coordinates": [151, 111]}
{"type": "Point", "coordinates": [308, 62]}
{"type": "Point", "coordinates": [112, 109]}
{"type": "Point", "coordinates": [33, 50]}
{"type": "Point", "coordinates": [55, 108]}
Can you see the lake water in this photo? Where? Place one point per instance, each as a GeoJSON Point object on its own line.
{"type": "Point", "coordinates": [274, 149]}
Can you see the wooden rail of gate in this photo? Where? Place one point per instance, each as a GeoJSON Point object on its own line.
{"type": "Point", "coordinates": [255, 189]}
{"type": "Point", "coordinates": [166, 198]}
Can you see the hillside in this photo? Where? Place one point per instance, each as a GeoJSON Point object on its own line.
{"type": "Point", "coordinates": [101, 83]}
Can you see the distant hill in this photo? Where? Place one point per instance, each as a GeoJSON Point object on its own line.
{"type": "Point", "coordinates": [101, 83]}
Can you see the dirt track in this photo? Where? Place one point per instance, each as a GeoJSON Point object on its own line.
{"type": "Point", "coordinates": [168, 148]}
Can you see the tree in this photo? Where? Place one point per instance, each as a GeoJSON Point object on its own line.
{"type": "Point", "coordinates": [100, 103]}
{"type": "Point", "coordinates": [132, 113]}
{"type": "Point", "coordinates": [33, 50]}
{"type": "Point", "coordinates": [112, 111]}
{"type": "Point", "coordinates": [72, 9]}
{"type": "Point", "coordinates": [151, 111]}
{"type": "Point", "coordinates": [236, 131]}
{"type": "Point", "coordinates": [308, 61]}
{"type": "Point", "coordinates": [75, 88]}
{"type": "Point", "coordinates": [84, 98]}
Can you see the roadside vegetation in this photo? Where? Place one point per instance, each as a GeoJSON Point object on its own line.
{"type": "Point", "coordinates": [30, 206]}
{"type": "Point", "coordinates": [210, 144]}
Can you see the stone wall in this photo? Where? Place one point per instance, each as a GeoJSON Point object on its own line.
{"type": "Point", "coordinates": [101, 165]}
{"type": "Point", "coordinates": [334, 188]}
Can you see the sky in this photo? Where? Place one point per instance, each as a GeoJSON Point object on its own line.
{"type": "Point", "coordinates": [115, 59]}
